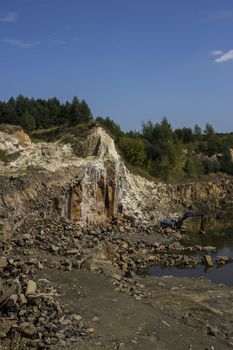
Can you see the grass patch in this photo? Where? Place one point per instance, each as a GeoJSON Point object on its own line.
{"type": "Point", "coordinates": [10, 129]}
{"type": "Point", "coordinates": [7, 158]}
{"type": "Point", "coordinates": [64, 134]}
{"type": "Point", "coordinates": [143, 173]}
{"type": "Point", "coordinates": [34, 169]}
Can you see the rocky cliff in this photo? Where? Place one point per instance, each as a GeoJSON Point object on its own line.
{"type": "Point", "coordinates": [85, 180]}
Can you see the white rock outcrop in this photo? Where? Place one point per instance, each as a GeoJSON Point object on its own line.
{"type": "Point", "coordinates": [88, 182]}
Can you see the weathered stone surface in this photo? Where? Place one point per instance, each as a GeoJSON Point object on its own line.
{"type": "Point", "coordinates": [55, 248]}
{"type": "Point", "coordinates": [116, 277]}
{"type": "Point", "coordinates": [7, 293]}
{"type": "Point", "coordinates": [3, 262]}
{"type": "Point", "coordinates": [76, 317]}
{"type": "Point", "coordinates": [28, 330]}
{"type": "Point", "coordinates": [5, 231]}
{"type": "Point", "coordinates": [208, 260]}
{"type": "Point", "coordinates": [223, 258]}
{"type": "Point", "coordinates": [209, 249]}
{"type": "Point", "coordinates": [91, 189]}
{"type": "Point", "coordinates": [31, 288]}
{"type": "Point", "coordinates": [22, 300]}
{"type": "Point", "coordinates": [13, 298]}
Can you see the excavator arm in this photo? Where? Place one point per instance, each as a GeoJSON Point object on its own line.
{"type": "Point", "coordinates": [177, 224]}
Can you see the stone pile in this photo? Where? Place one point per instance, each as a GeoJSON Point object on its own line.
{"type": "Point", "coordinates": [34, 317]}
{"type": "Point", "coordinates": [30, 307]}
{"type": "Point", "coordinates": [73, 246]}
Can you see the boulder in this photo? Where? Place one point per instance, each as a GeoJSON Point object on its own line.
{"type": "Point", "coordinates": [117, 277]}
{"type": "Point", "coordinates": [222, 260]}
{"type": "Point", "coordinates": [7, 294]}
{"type": "Point", "coordinates": [22, 300]}
{"type": "Point", "coordinates": [31, 287]}
{"type": "Point", "coordinates": [3, 262]}
{"type": "Point", "coordinates": [208, 260]}
{"type": "Point", "coordinates": [28, 330]}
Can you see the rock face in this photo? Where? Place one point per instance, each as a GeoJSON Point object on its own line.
{"type": "Point", "coordinates": [94, 197]}
{"type": "Point", "coordinates": [86, 182]}
{"type": "Point", "coordinates": [14, 142]}
{"type": "Point", "coordinates": [80, 183]}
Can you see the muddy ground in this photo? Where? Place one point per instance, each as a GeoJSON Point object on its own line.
{"type": "Point", "coordinates": [88, 294]}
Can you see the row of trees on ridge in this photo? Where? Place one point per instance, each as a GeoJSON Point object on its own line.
{"type": "Point", "coordinates": [157, 148]}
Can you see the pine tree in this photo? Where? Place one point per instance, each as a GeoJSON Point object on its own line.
{"type": "Point", "coordinates": [28, 122]}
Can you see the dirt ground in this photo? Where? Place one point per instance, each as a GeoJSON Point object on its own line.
{"type": "Point", "coordinates": [176, 314]}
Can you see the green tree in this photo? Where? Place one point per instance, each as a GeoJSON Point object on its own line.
{"type": "Point", "coordinates": [189, 167]}
{"type": "Point", "coordinates": [178, 134]}
{"type": "Point", "coordinates": [9, 112]}
{"type": "Point", "coordinates": [197, 132]}
{"type": "Point", "coordinates": [165, 168]}
{"type": "Point", "coordinates": [157, 133]}
{"type": "Point", "coordinates": [75, 114]}
{"type": "Point", "coordinates": [185, 135]}
{"type": "Point", "coordinates": [194, 166]}
{"type": "Point", "coordinates": [85, 112]}
{"type": "Point", "coordinates": [42, 114]}
{"type": "Point", "coordinates": [133, 150]}
{"type": "Point", "coordinates": [166, 129]}
{"type": "Point", "coordinates": [28, 122]}
{"type": "Point", "coordinates": [113, 128]}
{"type": "Point", "coordinates": [226, 162]}
{"type": "Point", "coordinates": [213, 145]}
{"type": "Point", "coordinates": [211, 166]}
{"type": "Point", "coordinates": [22, 105]}
{"type": "Point", "coordinates": [209, 131]}
{"type": "Point", "coordinates": [54, 108]}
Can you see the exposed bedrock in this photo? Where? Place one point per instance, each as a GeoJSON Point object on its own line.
{"type": "Point", "coordinates": [94, 197]}
{"type": "Point", "coordinates": [88, 182]}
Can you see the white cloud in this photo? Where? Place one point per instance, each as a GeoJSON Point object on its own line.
{"type": "Point", "coordinates": [9, 17]}
{"type": "Point", "coordinates": [22, 44]}
{"type": "Point", "coordinates": [227, 56]}
{"type": "Point", "coordinates": [216, 52]}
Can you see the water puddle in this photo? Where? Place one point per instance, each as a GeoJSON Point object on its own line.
{"type": "Point", "coordinates": [219, 234]}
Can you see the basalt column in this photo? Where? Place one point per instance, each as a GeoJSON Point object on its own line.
{"type": "Point", "coordinates": [111, 186]}
{"type": "Point", "coordinates": [74, 203]}
{"type": "Point", "coordinates": [93, 198]}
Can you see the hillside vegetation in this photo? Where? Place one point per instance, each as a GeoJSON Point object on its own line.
{"type": "Point", "coordinates": [156, 150]}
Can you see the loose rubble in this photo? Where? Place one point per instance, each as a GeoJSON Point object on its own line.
{"type": "Point", "coordinates": [30, 308]}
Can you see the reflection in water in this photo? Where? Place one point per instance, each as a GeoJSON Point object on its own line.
{"type": "Point", "coordinates": [219, 234]}
{"type": "Point", "coordinates": [222, 274]}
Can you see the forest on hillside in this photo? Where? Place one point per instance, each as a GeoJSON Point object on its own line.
{"type": "Point", "coordinates": [34, 114]}
{"type": "Point", "coordinates": [157, 149]}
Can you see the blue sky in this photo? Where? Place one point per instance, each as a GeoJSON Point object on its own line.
{"type": "Point", "coordinates": [132, 60]}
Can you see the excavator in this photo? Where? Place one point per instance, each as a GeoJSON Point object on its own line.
{"type": "Point", "coordinates": [177, 224]}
